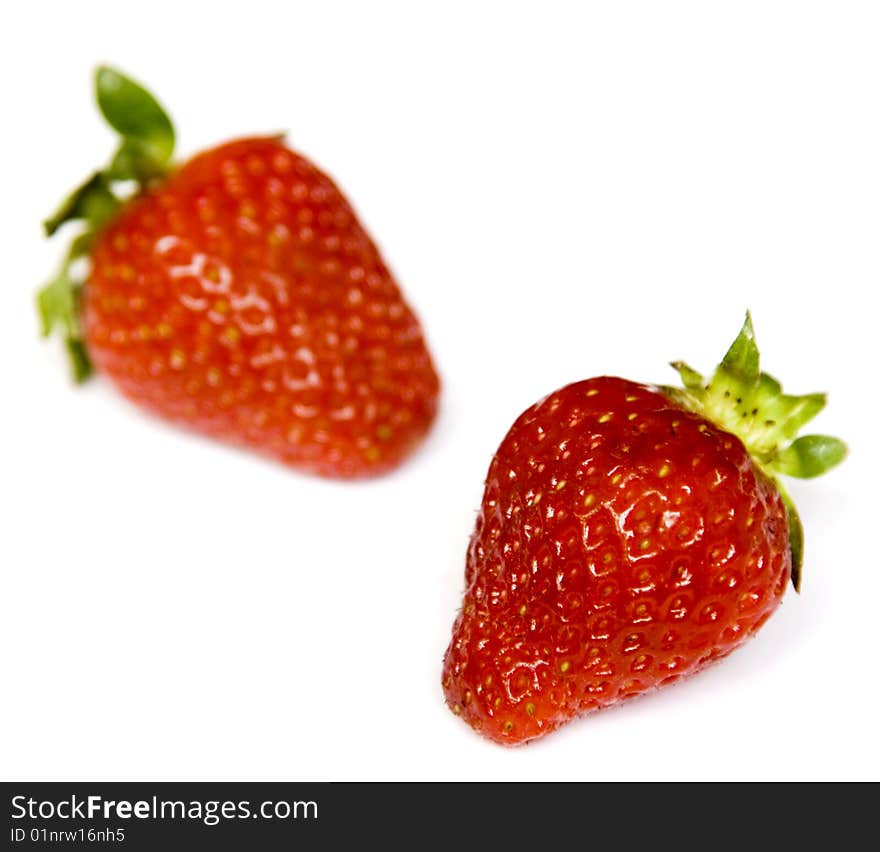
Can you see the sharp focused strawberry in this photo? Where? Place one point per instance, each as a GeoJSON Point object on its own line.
{"type": "Point", "coordinates": [629, 536]}
{"type": "Point", "coordinates": [239, 296]}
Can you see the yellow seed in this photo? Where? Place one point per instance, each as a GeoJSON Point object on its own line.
{"type": "Point", "coordinates": [664, 471]}
{"type": "Point", "coordinates": [605, 417]}
{"type": "Point", "coordinates": [589, 500]}
{"type": "Point", "coordinates": [592, 392]}
{"type": "Point", "coordinates": [565, 666]}
{"type": "Point", "coordinates": [530, 709]}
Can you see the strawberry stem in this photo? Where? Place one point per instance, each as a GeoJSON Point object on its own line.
{"type": "Point", "coordinates": [750, 404]}
{"type": "Point", "coordinates": [144, 156]}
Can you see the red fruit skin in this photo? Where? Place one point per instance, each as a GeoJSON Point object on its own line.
{"type": "Point", "coordinates": [623, 543]}
{"type": "Point", "coordinates": [242, 299]}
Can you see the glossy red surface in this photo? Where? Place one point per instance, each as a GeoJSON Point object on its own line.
{"type": "Point", "coordinates": [622, 544]}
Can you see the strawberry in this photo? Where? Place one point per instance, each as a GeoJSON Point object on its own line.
{"type": "Point", "coordinates": [629, 535]}
{"type": "Point", "coordinates": [238, 295]}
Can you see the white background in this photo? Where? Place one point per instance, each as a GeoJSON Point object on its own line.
{"type": "Point", "coordinates": [563, 190]}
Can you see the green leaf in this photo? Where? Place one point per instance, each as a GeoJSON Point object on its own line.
{"type": "Point", "coordinates": [768, 387]}
{"type": "Point", "coordinates": [134, 113]}
{"type": "Point", "coordinates": [690, 378]}
{"type": "Point", "coordinates": [80, 363]}
{"type": "Point", "coordinates": [143, 155]}
{"type": "Point", "coordinates": [81, 246]}
{"type": "Point", "coordinates": [798, 411]}
{"type": "Point", "coordinates": [135, 161]}
{"type": "Point", "coordinates": [795, 542]}
{"type": "Point", "coordinates": [810, 455]}
{"type": "Point", "coordinates": [750, 404]}
{"type": "Point", "coordinates": [781, 415]}
{"type": "Point", "coordinates": [57, 301]}
{"type": "Point", "coordinates": [742, 358]}
{"type": "Point", "coordinates": [57, 306]}
{"type": "Point", "coordinates": [91, 200]}
{"type": "Point", "coordinates": [795, 537]}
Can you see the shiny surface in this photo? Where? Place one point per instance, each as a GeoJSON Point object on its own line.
{"type": "Point", "coordinates": [244, 300]}
{"type": "Point", "coordinates": [622, 544]}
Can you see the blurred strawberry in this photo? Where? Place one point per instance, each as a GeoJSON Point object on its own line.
{"type": "Point", "coordinates": [239, 296]}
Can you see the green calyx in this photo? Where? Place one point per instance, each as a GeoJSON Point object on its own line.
{"type": "Point", "coordinates": [143, 156]}
{"type": "Point", "coordinates": [751, 405]}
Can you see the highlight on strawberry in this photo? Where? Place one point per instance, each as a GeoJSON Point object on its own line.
{"type": "Point", "coordinates": [629, 536]}
{"type": "Point", "coordinates": [238, 295]}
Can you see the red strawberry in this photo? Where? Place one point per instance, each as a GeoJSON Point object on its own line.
{"type": "Point", "coordinates": [629, 536]}
{"type": "Point", "coordinates": [239, 296]}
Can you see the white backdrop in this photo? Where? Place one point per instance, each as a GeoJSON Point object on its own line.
{"type": "Point", "coordinates": [563, 190]}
